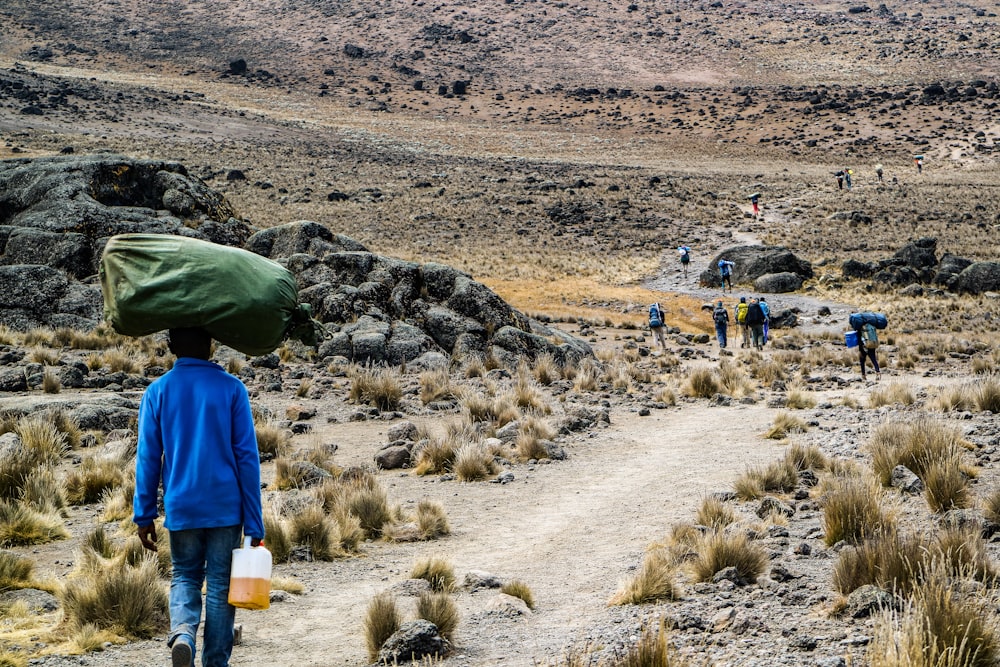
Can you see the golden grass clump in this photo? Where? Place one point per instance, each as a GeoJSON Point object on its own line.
{"type": "Point", "coordinates": [527, 396]}
{"type": "Point", "coordinates": [311, 527]}
{"type": "Point", "coordinates": [940, 626]}
{"type": "Point", "coordinates": [437, 571]}
{"type": "Point", "coordinates": [896, 393]}
{"type": "Point", "coordinates": [779, 476]}
{"type": "Point", "coordinates": [912, 444]}
{"type": "Point", "coordinates": [719, 550]}
{"type": "Point", "coordinates": [806, 457]}
{"type": "Point", "coordinates": [986, 394]}
{"type": "Point", "coordinates": [546, 369]}
{"type": "Point", "coordinates": [799, 399]}
{"type": "Point", "coordinates": [40, 436]}
{"type": "Point", "coordinates": [519, 589]}
{"type": "Point", "coordinates": [379, 387]}
{"type": "Point", "coordinates": [945, 485]}
{"type": "Point", "coordinates": [277, 540]}
{"type": "Point", "coordinates": [127, 600]}
{"type": "Point", "coordinates": [439, 609]}
{"type": "Point", "coordinates": [50, 382]}
{"type": "Point", "coordinates": [889, 560]}
{"type": "Point", "coordinates": [714, 513]}
{"type": "Point", "coordinates": [702, 383]}
{"type": "Point", "coordinates": [382, 619]}
{"type": "Point", "coordinates": [20, 525]}
{"type": "Point", "coordinates": [961, 551]}
{"type": "Point", "coordinates": [272, 440]}
{"type": "Point", "coordinates": [655, 580]}
{"type": "Point", "coordinates": [435, 385]}
{"type": "Point", "coordinates": [785, 423]}
{"type": "Point", "coordinates": [15, 571]}
{"type": "Point", "coordinates": [43, 492]}
{"type": "Point", "coordinates": [474, 463]}
{"type": "Point", "coordinates": [734, 380]}
{"type": "Point", "coordinates": [95, 476]}
{"type": "Point", "coordinates": [432, 521]}
{"type": "Point", "coordinates": [991, 507]}
{"type": "Point", "coordinates": [853, 510]}
{"type": "Point", "coordinates": [437, 456]}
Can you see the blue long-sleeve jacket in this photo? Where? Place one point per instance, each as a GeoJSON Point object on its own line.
{"type": "Point", "coordinates": [196, 432]}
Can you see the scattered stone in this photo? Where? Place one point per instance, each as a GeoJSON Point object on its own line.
{"type": "Point", "coordinates": [905, 480]}
{"type": "Point", "coordinates": [414, 640]}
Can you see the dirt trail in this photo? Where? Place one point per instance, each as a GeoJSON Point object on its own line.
{"type": "Point", "coordinates": [571, 530]}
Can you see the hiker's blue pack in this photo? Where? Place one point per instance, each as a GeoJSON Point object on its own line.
{"type": "Point", "coordinates": [858, 320]}
{"type": "Point", "coordinates": [869, 338]}
{"type": "Point", "coordinates": [655, 316]}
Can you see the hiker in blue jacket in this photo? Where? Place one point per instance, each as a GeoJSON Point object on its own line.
{"type": "Point", "coordinates": [726, 273]}
{"type": "Point", "coordinates": [196, 434]}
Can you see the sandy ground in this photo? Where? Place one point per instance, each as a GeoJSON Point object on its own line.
{"type": "Point", "coordinates": [571, 530]}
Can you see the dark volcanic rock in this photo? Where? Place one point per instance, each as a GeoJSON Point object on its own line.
{"type": "Point", "coordinates": [413, 641]}
{"type": "Point", "coordinates": [754, 261]}
{"type": "Point", "coordinates": [978, 278]}
{"type": "Point", "coordinates": [776, 283]}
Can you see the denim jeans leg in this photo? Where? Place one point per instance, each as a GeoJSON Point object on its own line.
{"type": "Point", "coordinates": [219, 614]}
{"type": "Point", "coordinates": [187, 557]}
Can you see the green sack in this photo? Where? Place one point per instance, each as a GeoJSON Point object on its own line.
{"type": "Point", "coordinates": [153, 282]}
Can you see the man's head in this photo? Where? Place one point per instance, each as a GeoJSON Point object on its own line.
{"type": "Point", "coordinates": [718, 305]}
{"type": "Point", "coordinates": [743, 299]}
{"type": "Point", "coordinates": [190, 342]}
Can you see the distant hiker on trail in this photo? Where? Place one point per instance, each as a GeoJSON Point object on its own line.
{"type": "Point", "coordinates": [740, 311]}
{"type": "Point", "coordinates": [867, 339]}
{"type": "Point", "coordinates": [755, 323]}
{"type": "Point", "coordinates": [721, 318]}
{"type": "Point", "coordinates": [919, 161]}
{"type": "Point", "coordinates": [767, 317]}
{"type": "Point", "coordinates": [657, 322]}
{"type": "Point", "coordinates": [754, 201]}
{"type": "Point", "coordinates": [840, 179]}
{"type": "Point", "coordinates": [726, 273]}
{"type": "Point", "coordinates": [685, 253]}
{"type": "Point", "coordinates": [847, 177]}
{"type": "Point", "coordinates": [878, 172]}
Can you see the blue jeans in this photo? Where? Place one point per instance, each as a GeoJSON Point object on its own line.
{"type": "Point", "coordinates": [203, 555]}
{"type": "Point", "coordinates": [720, 334]}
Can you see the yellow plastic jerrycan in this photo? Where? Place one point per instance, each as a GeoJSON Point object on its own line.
{"type": "Point", "coordinates": [250, 577]}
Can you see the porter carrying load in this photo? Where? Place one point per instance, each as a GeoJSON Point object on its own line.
{"type": "Point", "coordinates": [153, 282]}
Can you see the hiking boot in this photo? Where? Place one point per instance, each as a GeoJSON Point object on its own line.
{"type": "Point", "coordinates": [181, 654]}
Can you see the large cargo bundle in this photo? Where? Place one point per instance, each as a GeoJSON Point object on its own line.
{"type": "Point", "coordinates": [859, 320]}
{"type": "Point", "coordinates": [153, 282]}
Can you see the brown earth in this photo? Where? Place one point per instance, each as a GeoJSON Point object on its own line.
{"type": "Point", "coordinates": [563, 109]}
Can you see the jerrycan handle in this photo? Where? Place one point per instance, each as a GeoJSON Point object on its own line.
{"type": "Point", "coordinates": [246, 542]}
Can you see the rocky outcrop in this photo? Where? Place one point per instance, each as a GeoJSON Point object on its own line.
{"type": "Point", "coordinates": [915, 264]}
{"type": "Point", "coordinates": [413, 641]}
{"type": "Point", "coordinates": [777, 283]}
{"type": "Point", "coordinates": [978, 278]}
{"type": "Point", "coordinates": [753, 261]}
{"type": "Point", "coordinates": [56, 214]}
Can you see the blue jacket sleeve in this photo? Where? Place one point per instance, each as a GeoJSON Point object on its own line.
{"type": "Point", "coordinates": [247, 465]}
{"type": "Point", "coordinates": [148, 462]}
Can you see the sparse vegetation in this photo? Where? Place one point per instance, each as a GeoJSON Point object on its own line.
{"type": "Point", "coordinates": [719, 550]}
{"type": "Point", "coordinates": [441, 610]}
{"type": "Point", "coordinates": [379, 387]}
{"type": "Point", "coordinates": [437, 571]}
{"type": "Point", "coordinates": [853, 510]}
{"type": "Point", "coordinates": [381, 620]}
{"type": "Point", "coordinates": [785, 424]}
{"type": "Point", "coordinates": [521, 590]}
{"type": "Point", "coordinates": [127, 600]}
{"type": "Point", "coordinates": [655, 580]}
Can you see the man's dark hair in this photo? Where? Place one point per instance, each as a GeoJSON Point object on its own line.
{"type": "Point", "coordinates": [190, 342]}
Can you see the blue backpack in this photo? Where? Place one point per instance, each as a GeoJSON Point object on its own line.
{"type": "Point", "coordinates": [655, 316]}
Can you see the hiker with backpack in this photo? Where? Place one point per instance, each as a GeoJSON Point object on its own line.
{"type": "Point", "coordinates": [767, 317]}
{"type": "Point", "coordinates": [657, 322]}
{"type": "Point", "coordinates": [865, 326]}
{"type": "Point", "coordinates": [840, 179]}
{"type": "Point", "coordinates": [740, 311]}
{"type": "Point", "coordinates": [755, 202]}
{"type": "Point", "coordinates": [685, 253]}
{"type": "Point", "coordinates": [726, 273]}
{"type": "Point", "coordinates": [755, 323]}
{"type": "Point", "coordinates": [721, 318]}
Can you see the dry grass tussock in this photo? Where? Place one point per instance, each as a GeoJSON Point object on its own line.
{"type": "Point", "coordinates": [940, 626]}
{"type": "Point", "coordinates": [272, 440]}
{"type": "Point", "coordinates": [361, 496]}
{"type": "Point", "coordinates": [474, 463]}
{"type": "Point", "coordinates": [784, 425]}
{"type": "Point", "coordinates": [379, 387]}
{"type": "Point", "coordinates": [799, 399]}
{"type": "Point", "coordinates": [432, 521]}
{"type": "Point", "coordinates": [655, 580]}
{"type": "Point", "coordinates": [436, 571]}
{"type": "Point", "coordinates": [97, 475]}
{"type": "Point", "coordinates": [854, 510]}
{"type": "Point", "coordinates": [715, 513]}
{"type": "Point", "coordinates": [889, 560]}
{"type": "Point", "coordinates": [914, 444]}
{"type": "Point", "coordinates": [946, 486]}
{"type": "Point", "coordinates": [130, 601]}
{"type": "Point", "coordinates": [531, 438]}
{"type": "Point", "coordinates": [780, 476]}
{"type": "Point", "coordinates": [311, 527]}
{"type": "Point", "coordinates": [520, 590]}
{"type": "Point", "coordinates": [435, 385]}
{"type": "Point", "coordinates": [896, 393]}
{"type": "Point", "coordinates": [441, 610]}
{"type": "Point", "coordinates": [20, 525]}
{"type": "Point", "coordinates": [438, 454]}
{"type": "Point", "coordinates": [15, 571]}
{"type": "Point", "coordinates": [719, 550]}
{"type": "Point", "coordinates": [653, 649]}
{"type": "Point", "coordinates": [382, 619]}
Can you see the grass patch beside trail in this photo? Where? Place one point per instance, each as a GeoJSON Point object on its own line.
{"type": "Point", "coordinates": [564, 298]}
